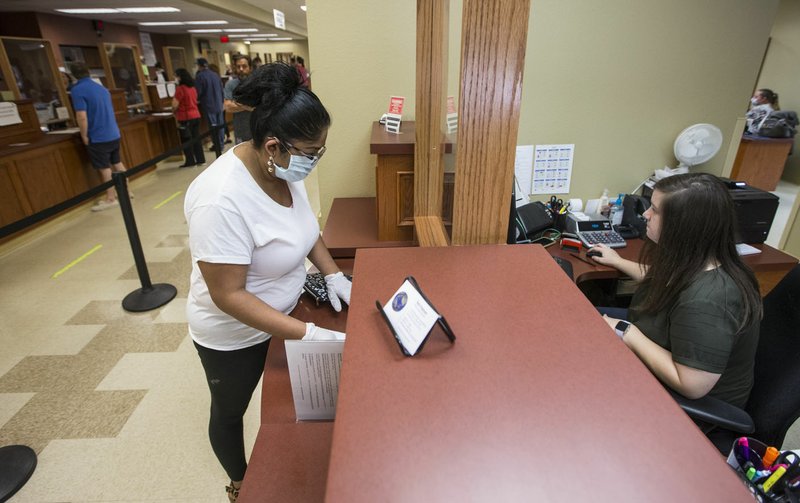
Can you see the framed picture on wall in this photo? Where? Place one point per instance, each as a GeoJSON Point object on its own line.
{"type": "Point", "coordinates": [203, 44]}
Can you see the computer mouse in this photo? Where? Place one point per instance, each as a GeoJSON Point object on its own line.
{"type": "Point", "coordinates": [594, 253]}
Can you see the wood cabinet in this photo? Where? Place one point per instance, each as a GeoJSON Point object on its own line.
{"type": "Point", "coordinates": [394, 179]}
{"type": "Point", "coordinates": [760, 161]}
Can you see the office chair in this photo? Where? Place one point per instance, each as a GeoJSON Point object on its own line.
{"type": "Point", "coordinates": [774, 402]}
{"type": "Point", "coordinates": [17, 463]}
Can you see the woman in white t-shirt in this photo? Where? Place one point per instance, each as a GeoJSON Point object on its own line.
{"type": "Point", "coordinates": [250, 230]}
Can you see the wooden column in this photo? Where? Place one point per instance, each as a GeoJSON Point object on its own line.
{"type": "Point", "coordinates": [492, 61]}
{"type": "Point", "coordinates": [430, 114]}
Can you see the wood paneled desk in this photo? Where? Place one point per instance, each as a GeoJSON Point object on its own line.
{"type": "Point", "coordinates": [536, 401]}
{"type": "Point", "coordinates": [769, 266]}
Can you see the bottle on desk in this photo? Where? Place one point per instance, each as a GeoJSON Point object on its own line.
{"type": "Point", "coordinates": [615, 214]}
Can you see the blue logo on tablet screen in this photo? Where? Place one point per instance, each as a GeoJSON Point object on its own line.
{"type": "Point", "coordinates": [399, 301]}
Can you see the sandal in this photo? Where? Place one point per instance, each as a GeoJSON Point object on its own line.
{"type": "Point", "coordinates": [233, 492]}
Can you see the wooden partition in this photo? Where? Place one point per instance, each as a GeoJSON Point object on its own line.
{"type": "Point", "coordinates": [432, 18]}
{"type": "Point", "coordinates": [492, 61]}
{"type": "Point", "coordinates": [493, 43]}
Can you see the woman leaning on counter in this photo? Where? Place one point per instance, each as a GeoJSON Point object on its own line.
{"type": "Point", "coordinates": [250, 230]}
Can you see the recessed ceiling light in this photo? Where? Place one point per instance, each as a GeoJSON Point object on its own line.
{"type": "Point", "coordinates": [145, 10]}
{"type": "Point", "coordinates": [234, 30]}
{"type": "Point", "coordinates": [161, 23]}
{"type": "Point", "coordinates": [280, 38]}
{"type": "Point", "coordinates": [207, 22]}
{"type": "Point", "coordinates": [256, 40]}
{"type": "Point", "coordinates": [247, 42]}
{"type": "Point", "coordinates": [215, 30]}
{"type": "Point", "coordinates": [303, 8]}
{"type": "Point", "coordinates": [88, 11]}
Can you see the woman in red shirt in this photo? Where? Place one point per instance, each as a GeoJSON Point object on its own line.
{"type": "Point", "coordinates": [184, 103]}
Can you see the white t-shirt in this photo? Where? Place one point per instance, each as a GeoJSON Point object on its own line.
{"type": "Point", "coordinates": [232, 221]}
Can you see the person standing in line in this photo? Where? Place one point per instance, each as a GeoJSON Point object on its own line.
{"type": "Point", "coordinates": [209, 95]}
{"type": "Point", "coordinates": [184, 103]}
{"type": "Point", "coordinates": [251, 229]}
{"type": "Point", "coordinates": [304, 73]}
{"type": "Point", "coordinates": [99, 132]}
{"type": "Point", "coordinates": [241, 114]}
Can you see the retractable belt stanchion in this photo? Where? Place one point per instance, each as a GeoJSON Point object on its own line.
{"type": "Point", "coordinates": [149, 296]}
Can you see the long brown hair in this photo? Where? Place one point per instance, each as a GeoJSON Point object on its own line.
{"type": "Point", "coordinates": [698, 226]}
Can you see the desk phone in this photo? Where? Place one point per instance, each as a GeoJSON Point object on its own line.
{"type": "Point", "coordinates": [595, 231]}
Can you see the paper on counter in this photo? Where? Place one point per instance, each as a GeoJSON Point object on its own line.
{"type": "Point", "coordinates": [9, 114]}
{"type": "Point", "coordinates": [523, 171]}
{"type": "Point", "coordinates": [745, 249]}
{"type": "Point", "coordinates": [314, 368]}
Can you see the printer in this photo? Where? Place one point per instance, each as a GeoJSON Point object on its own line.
{"type": "Point", "coordinates": [755, 210]}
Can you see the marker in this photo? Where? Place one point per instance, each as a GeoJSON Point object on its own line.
{"type": "Point", "coordinates": [770, 456]}
{"type": "Point", "coordinates": [773, 478]}
{"type": "Point", "coordinates": [751, 473]}
{"type": "Point", "coordinates": [745, 448]}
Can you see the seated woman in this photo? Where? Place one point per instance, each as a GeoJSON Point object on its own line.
{"type": "Point", "coordinates": [694, 318]}
{"type": "Point", "coordinates": [763, 102]}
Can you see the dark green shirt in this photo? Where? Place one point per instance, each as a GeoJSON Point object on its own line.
{"type": "Point", "coordinates": [700, 330]}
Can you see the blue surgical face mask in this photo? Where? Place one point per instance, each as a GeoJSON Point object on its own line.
{"type": "Point", "coordinates": [299, 168]}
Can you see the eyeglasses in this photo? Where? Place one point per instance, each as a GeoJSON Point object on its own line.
{"type": "Point", "coordinates": [315, 157]}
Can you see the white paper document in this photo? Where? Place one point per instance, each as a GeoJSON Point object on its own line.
{"type": "Point", "coordinates": [552, 169]}
{"type": "Point", "coordinates": [745, 249]}
{"type": "Point", "coordinates": [314, 368]}
{"type": "Point", "coordinates": [162, 90]}
{"type": "Point", "coordinates": [523, 170]}
{"type": "Point", "coordinates": [9, 114]}
{"type": "Point", "coordinates": [171, 89]}
{"type": "Point", "coordinates": [411, 316]}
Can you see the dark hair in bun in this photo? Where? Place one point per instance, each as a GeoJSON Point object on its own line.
{"type": "Point", "coordinates": [283, 108]}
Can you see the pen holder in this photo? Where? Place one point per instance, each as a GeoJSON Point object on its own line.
{"type": "Point", "coordinates": [751, 453]}
{"type": "Point", "coordinates": [560, 221]}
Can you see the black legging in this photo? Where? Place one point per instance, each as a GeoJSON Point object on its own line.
{"type": "Point", "coordinates": [190, 130]}
{"type": "Point", "coordinates": [232, 376]}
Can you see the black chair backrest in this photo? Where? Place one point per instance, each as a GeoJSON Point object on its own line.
{"type": "Point", "coordinates": [775, 399]}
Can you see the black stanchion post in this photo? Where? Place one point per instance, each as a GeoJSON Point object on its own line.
{"type": "Point", "coordinates": [149, 296]}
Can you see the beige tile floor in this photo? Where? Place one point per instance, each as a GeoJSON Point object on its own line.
{"type": "Point", "coordinates": [114, 403]}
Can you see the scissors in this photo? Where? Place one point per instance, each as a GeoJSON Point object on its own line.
{"type": "Point", "coordinates": [556, 204]}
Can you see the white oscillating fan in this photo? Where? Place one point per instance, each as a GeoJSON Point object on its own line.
{"type": "Point", "coordinates": [695, 145]}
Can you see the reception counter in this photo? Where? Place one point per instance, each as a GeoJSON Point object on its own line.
{"type": "Point", "coordinates": [38, 170]}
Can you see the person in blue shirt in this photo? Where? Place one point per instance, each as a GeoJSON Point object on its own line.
{"type": "Point", "coordinates": [98, 126]}
{"type": "Point", "coordinates": [209, 96]}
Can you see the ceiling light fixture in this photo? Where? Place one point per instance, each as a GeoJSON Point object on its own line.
{"type": "Point", "coordinates": [241, 30]}
{"type": "Point", "coordinates": [88, 11]}
{"type": "Point", "coordinates": [146, 10]}
{"type": "Point", "coordinates": [214, 30]}
{"type": "Point", "coordinates": [207, 22]}
{"type": "Point", "coordinates": [161, 23]}
{"type": "Point", "coordinates": [303, 8]}
{"type": "Point", "coordinates": [280, 39]}
{"type": "Point", "coordinates": [127, 10]}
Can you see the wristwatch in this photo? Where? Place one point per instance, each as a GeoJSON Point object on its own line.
{"type": "Point", "coordinates": [622, 328]}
